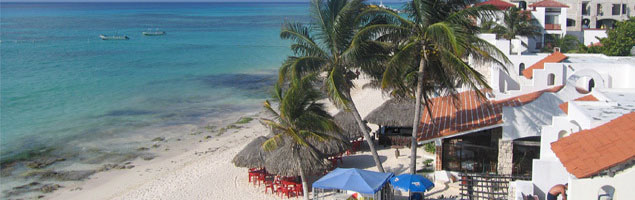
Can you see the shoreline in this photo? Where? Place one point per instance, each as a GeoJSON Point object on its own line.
{"type": "Point", "coordinates": [201, 172]}
{"type": "Point", "coordinates": [46, 169]}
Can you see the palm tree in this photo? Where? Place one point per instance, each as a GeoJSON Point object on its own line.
{"type": "Point", "coordinates": [297, 122]}
{"type": "Point", "coordinates": [323, 45]}
{"type": "Point", "coordinates": [566, 43]}
{"type": "Point", "coordinates": [431, 49]}
{"type": "Point", "coordinates": [517, 22]}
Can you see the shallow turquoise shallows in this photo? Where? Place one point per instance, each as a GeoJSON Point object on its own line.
{"type": "Point", "coordinates": [61, 82]}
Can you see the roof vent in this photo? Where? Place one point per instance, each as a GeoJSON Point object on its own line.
{"type": "Point", "coordinates": [556, 49]}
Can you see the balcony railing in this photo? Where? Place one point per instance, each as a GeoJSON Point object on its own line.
{"type": "Point", "coordinates": [552, 27]}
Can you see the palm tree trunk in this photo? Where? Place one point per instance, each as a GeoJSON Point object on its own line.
{"type": "Point", "coordinates": [415, 123]}
{"type": "Point", "coordinates": [305, 185]}
{"type": "Point", "coordinates": [362, 126]}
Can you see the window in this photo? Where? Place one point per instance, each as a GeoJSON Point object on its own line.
{"type": "Point", "coordinates": [551, 19]}
{"type": "Point", "coordinates": [615, 10]}
{"type": "Point", "coordinates": [591, 85]}
{"type": "Point", "coordinates": [586, 9]}
{"type": "Point", "coordinates": [606, 192]}
{"type": "Point", "coordinates": [624, 8]}
{"type": "Point", "coordinates": [570, 22]}
{"type": "Point", "coordinates": [562, 134]}
{"type": "Point", "coordinates": [551, 78]}
{"type": "Point", "coordinates": [521, 69]}
{"type": "Point", "coordinates": [599, 10]}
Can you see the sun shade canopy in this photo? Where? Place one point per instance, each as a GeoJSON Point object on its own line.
{"type": "Point", "coordinates": [358, 180]}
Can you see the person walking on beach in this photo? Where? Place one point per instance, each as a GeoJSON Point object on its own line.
{"type": "Point", "coordinates": [557, 190]}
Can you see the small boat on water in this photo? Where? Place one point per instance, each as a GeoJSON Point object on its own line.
{"type": "Point", "coordinates": [114, 37]}
{"type": "Point", "coordinates": [153, 33]}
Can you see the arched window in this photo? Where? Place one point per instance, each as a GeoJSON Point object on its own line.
{"type": "Point", "coordinates": [591, 85]}
{"type": "Point", "coordinates": [521, 69]}
{"type": "Point", "coordinates": [562, 134]}
{"type": "Point", "coordinates": [570, 22]}
{"type": "Point", "coordinates": [551, 78]}
{"type": "Point", "coordinates": [606, 192]}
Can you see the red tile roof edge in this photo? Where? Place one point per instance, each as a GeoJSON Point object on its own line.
{"type": "Point", "coordinates": [502, 5]}
{"type": "Point", "coordinates": [565, 106]}
{"type": "Point", "coordinates": [549, 3]}
{"type": "Point", "coordinates": [551, 58]}
{"type": "Point", "coordinates": [492, 107]}
{"type": "Point", "coordinates": [591, 151]}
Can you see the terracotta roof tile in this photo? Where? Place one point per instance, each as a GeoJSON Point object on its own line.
{"type": "Point", "coordinates": [555, 57]}
{"type": "Point", "coordinates": [549, 3]}
{"type": "Point", "coordinates": [587, 98]}
{"type": "Point", "coordinates": [502, 5]}
{"type": "Point", "coordinates": [599, 148]}
{"type": "Point", "coordinates": [471, 113]}
{"type": "Point", "coordinates": [564, 107]}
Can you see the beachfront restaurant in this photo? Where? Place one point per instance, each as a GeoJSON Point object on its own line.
{"type": "Point", "coordinates": [478, 135]}
{"type": "Point", "coordinates": [394, 118]}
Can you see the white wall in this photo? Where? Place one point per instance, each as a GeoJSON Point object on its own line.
{"type": "Point", "coordinates": [547, 173]}
{"type": "Point", "coordinates": [590, 36]}
{"type": "Point", "coordinates": [588, 188]}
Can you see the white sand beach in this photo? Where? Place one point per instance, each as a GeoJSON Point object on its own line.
{"type": "Point", "coordinates": [206, 171]}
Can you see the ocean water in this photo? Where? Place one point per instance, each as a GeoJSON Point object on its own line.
{"type": "Point", "coordinates": [60, 81]}
{"type": "Point", "coordinates": [67, 93]}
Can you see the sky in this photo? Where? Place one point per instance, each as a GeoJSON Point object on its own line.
{"type": "Point", "coordinates": [176, 0]}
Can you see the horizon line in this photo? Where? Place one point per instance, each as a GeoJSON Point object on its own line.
{"type": "Point", "coordinates": [176, 1]}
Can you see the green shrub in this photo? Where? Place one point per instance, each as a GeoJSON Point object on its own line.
{"type": "Point", "coordinates": [429, 147]}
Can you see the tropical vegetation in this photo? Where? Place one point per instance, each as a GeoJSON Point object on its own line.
{"type": "Point", "coordinates": [567, 43]}
{"type": "Point", "coordinates": [324, 46]}
{"type": "Point", "coordinates": [430, 49]}
{"type": "Point", "coordinates": [619, 41]}
{"type": "Point", "coordinates": [516, 22]}
{"type": "Point", "coordinates": [297, 121]}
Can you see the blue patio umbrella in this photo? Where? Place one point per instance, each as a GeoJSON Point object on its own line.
{"type": "Point", "coordinates": [411, 183]}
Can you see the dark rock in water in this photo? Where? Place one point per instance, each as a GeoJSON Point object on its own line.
{"type": "Point", "coordinates": [42, 162]}
{"type": "Point", "coordinates": [158, 139]}
{"type": "Point", "coordinates": [143, 148]}
{"type": "Point", "coordinates": [107, 167]}
{"type": "Point", "coordinates": [48, 188]}
{"type": "Point", "coordinates": [77, 175]}
{"type": "Point", "coordinates": [148, 157]}
{"type": "Point", "coordinates": [33, 187]}
{"type": "Point", "coordinates": [156, 145]}
{"type": "Point", "coordinates": [208, 137]}
{"type": "Point", "coordinates": [26, 186]}
{"type": "Point", "coordinates": [7, 169]}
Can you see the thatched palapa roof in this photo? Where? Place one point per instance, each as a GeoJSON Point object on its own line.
{"type": "Point", "coordinates": [394, 112]}
{"type": "Point", "coordinates": [336, 145]}
{"type": "Point", "coordinates": [252, 156]}
{"type": "Point", "coordinates": [347, 123]}
{"type": "Point", "coordinates": [285, 162]}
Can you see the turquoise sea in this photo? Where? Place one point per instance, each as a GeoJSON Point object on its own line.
{"type": "Point", "coordinates": [60, 81]}
{"type": "Point", "coordinates": [66, 92]}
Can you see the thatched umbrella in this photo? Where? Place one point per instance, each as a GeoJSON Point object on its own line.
{"type": "Point", "coordinates": [252, 156]}
{"type": "Point", "coordinates": [347, 123]}
{"type": "Point", "coordinates": [330, 147]}
{"type": "Point", "coordinates": [289, 159]}
{"type": "Point", "coordinates": [394, 112]}
{"type": "Point", "coordinates": [333, 146]}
